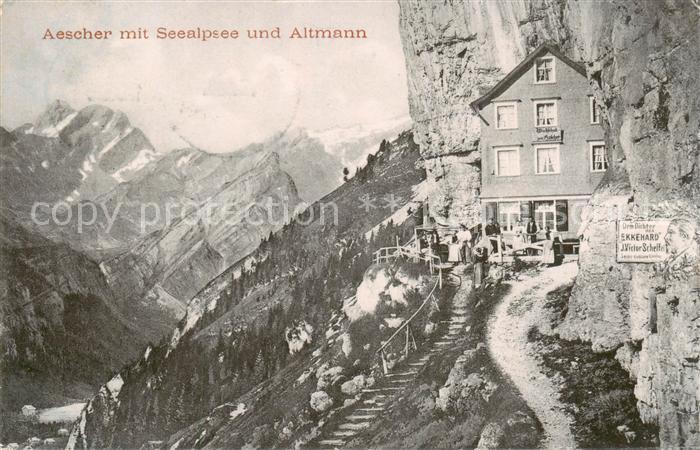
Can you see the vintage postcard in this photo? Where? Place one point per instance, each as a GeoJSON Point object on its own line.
{"type": "Point", "coordinates": [349, 224]}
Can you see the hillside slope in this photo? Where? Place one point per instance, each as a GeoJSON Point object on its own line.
{"type": "Point", "coordinates": [235, 333]}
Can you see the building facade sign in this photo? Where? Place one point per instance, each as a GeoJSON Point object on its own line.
{"type": "Point", "coordinates": [641, 241]}
{"type": "Point", "coordinates": [548, 135]}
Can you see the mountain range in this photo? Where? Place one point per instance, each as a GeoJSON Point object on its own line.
{"type": "Point", "coordinates": [157, 227]}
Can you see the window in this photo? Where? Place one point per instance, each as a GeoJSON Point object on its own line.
{"type": "Point", "coordinates": [508, 215]}
{"type": "Point", "coordinates": [544, 215]}
{"type": "Point", "coordinates": [546, 114]}
{"type": "Point", "coordinates": [507, 162]}
{"type": "Point", "coordinates": [506, 115]}
{"type": "Point", "coordinates": [594, 110]}
{"type": "Point", "coordinates": [599, 160]}
{"type": "Point", "coordinates": [546, 159]}
{"type": "Point", "coordinates": [544, 70]}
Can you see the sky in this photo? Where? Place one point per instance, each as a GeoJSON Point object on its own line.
{"type": "Point", "coordinates": [221, 94]}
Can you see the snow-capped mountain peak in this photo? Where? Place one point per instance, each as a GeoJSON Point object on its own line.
{"type": "Point", "coordinates": [352, 144]}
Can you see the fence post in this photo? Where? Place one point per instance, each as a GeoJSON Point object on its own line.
{"type": "Point", "coordinates": [500, 247]}
{"type": "Point", "coordinates": [408, 327]}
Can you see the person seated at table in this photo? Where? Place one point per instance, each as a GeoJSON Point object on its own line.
{"type": "Point", "coordinates": [423, 244]}
{"type": "Point", "coordinates": [493, 229]}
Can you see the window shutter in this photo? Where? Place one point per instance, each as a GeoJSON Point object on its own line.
{"type": "Point", "coordinates": [562, 215]}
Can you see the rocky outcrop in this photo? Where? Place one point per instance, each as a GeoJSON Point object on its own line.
{"type": "Point", "coordinates": [638, 57]}
{"type": "Point", "coordinates": [320, 401]}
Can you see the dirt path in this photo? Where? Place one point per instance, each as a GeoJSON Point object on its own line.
{"type": "Point", "coordinates": [507, 341]}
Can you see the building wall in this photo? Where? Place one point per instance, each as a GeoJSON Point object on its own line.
{"type": "Point", "coordinates": [575, 177]}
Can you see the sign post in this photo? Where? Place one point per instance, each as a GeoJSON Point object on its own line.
{"type": "Point", "coordinates": [641, 241]}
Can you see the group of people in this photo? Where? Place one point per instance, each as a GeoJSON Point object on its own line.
{"type": "Point", "coordinates": [469, 249]}
{"type": "Point", "coordinates": [464, 247]}
{"type": "Point", "coordinates": [523, 234]}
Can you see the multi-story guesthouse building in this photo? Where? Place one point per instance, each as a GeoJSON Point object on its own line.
{"type": "Point", "coordinates": [542, 147]}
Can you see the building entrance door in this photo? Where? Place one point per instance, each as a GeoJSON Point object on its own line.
{"type": "Point", "coordinates": [545, 215]}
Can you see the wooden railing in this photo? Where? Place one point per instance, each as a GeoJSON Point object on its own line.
{"type": "Point", "coordinates": [408, 250]}
{"type": "Point", "coordinates": [410, 342]}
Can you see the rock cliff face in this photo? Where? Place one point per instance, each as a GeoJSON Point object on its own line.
{"type": "Point", "coordinates": [220, 213]}
{"type": "Point", "coordinates": [638, 56]}
{"type": "Point", "coordinates": [62, 331]}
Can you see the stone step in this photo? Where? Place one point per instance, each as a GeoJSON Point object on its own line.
{"type": "Point", "coordinates": [361, 417]}
{"type": "Point", "coordinates": [344, 433]}
{"type": "Point", "coordinates": [332, 442]}
{"type": "Point", "coordinates": [376, 408]}
{"type": "Point", "coordinates": [402, 374]}
{"type": "Point", "coordinates": [384, 389]}
{"type": "Point", "coordinates": [354, 426]}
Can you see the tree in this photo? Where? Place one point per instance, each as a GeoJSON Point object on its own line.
{"type": "Point", "coordinates": [346, 172]}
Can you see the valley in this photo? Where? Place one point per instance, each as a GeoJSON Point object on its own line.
{"type": "Point", "coordinates": [143, 241]}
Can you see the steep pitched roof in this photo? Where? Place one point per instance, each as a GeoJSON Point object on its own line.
{"type": "Point", "coordinates": [521, 68]}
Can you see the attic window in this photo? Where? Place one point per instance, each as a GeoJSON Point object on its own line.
{"type": "Point", "coordinates": [544, 70]}
{"type": "Point", "coordinates": [506, 115]}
